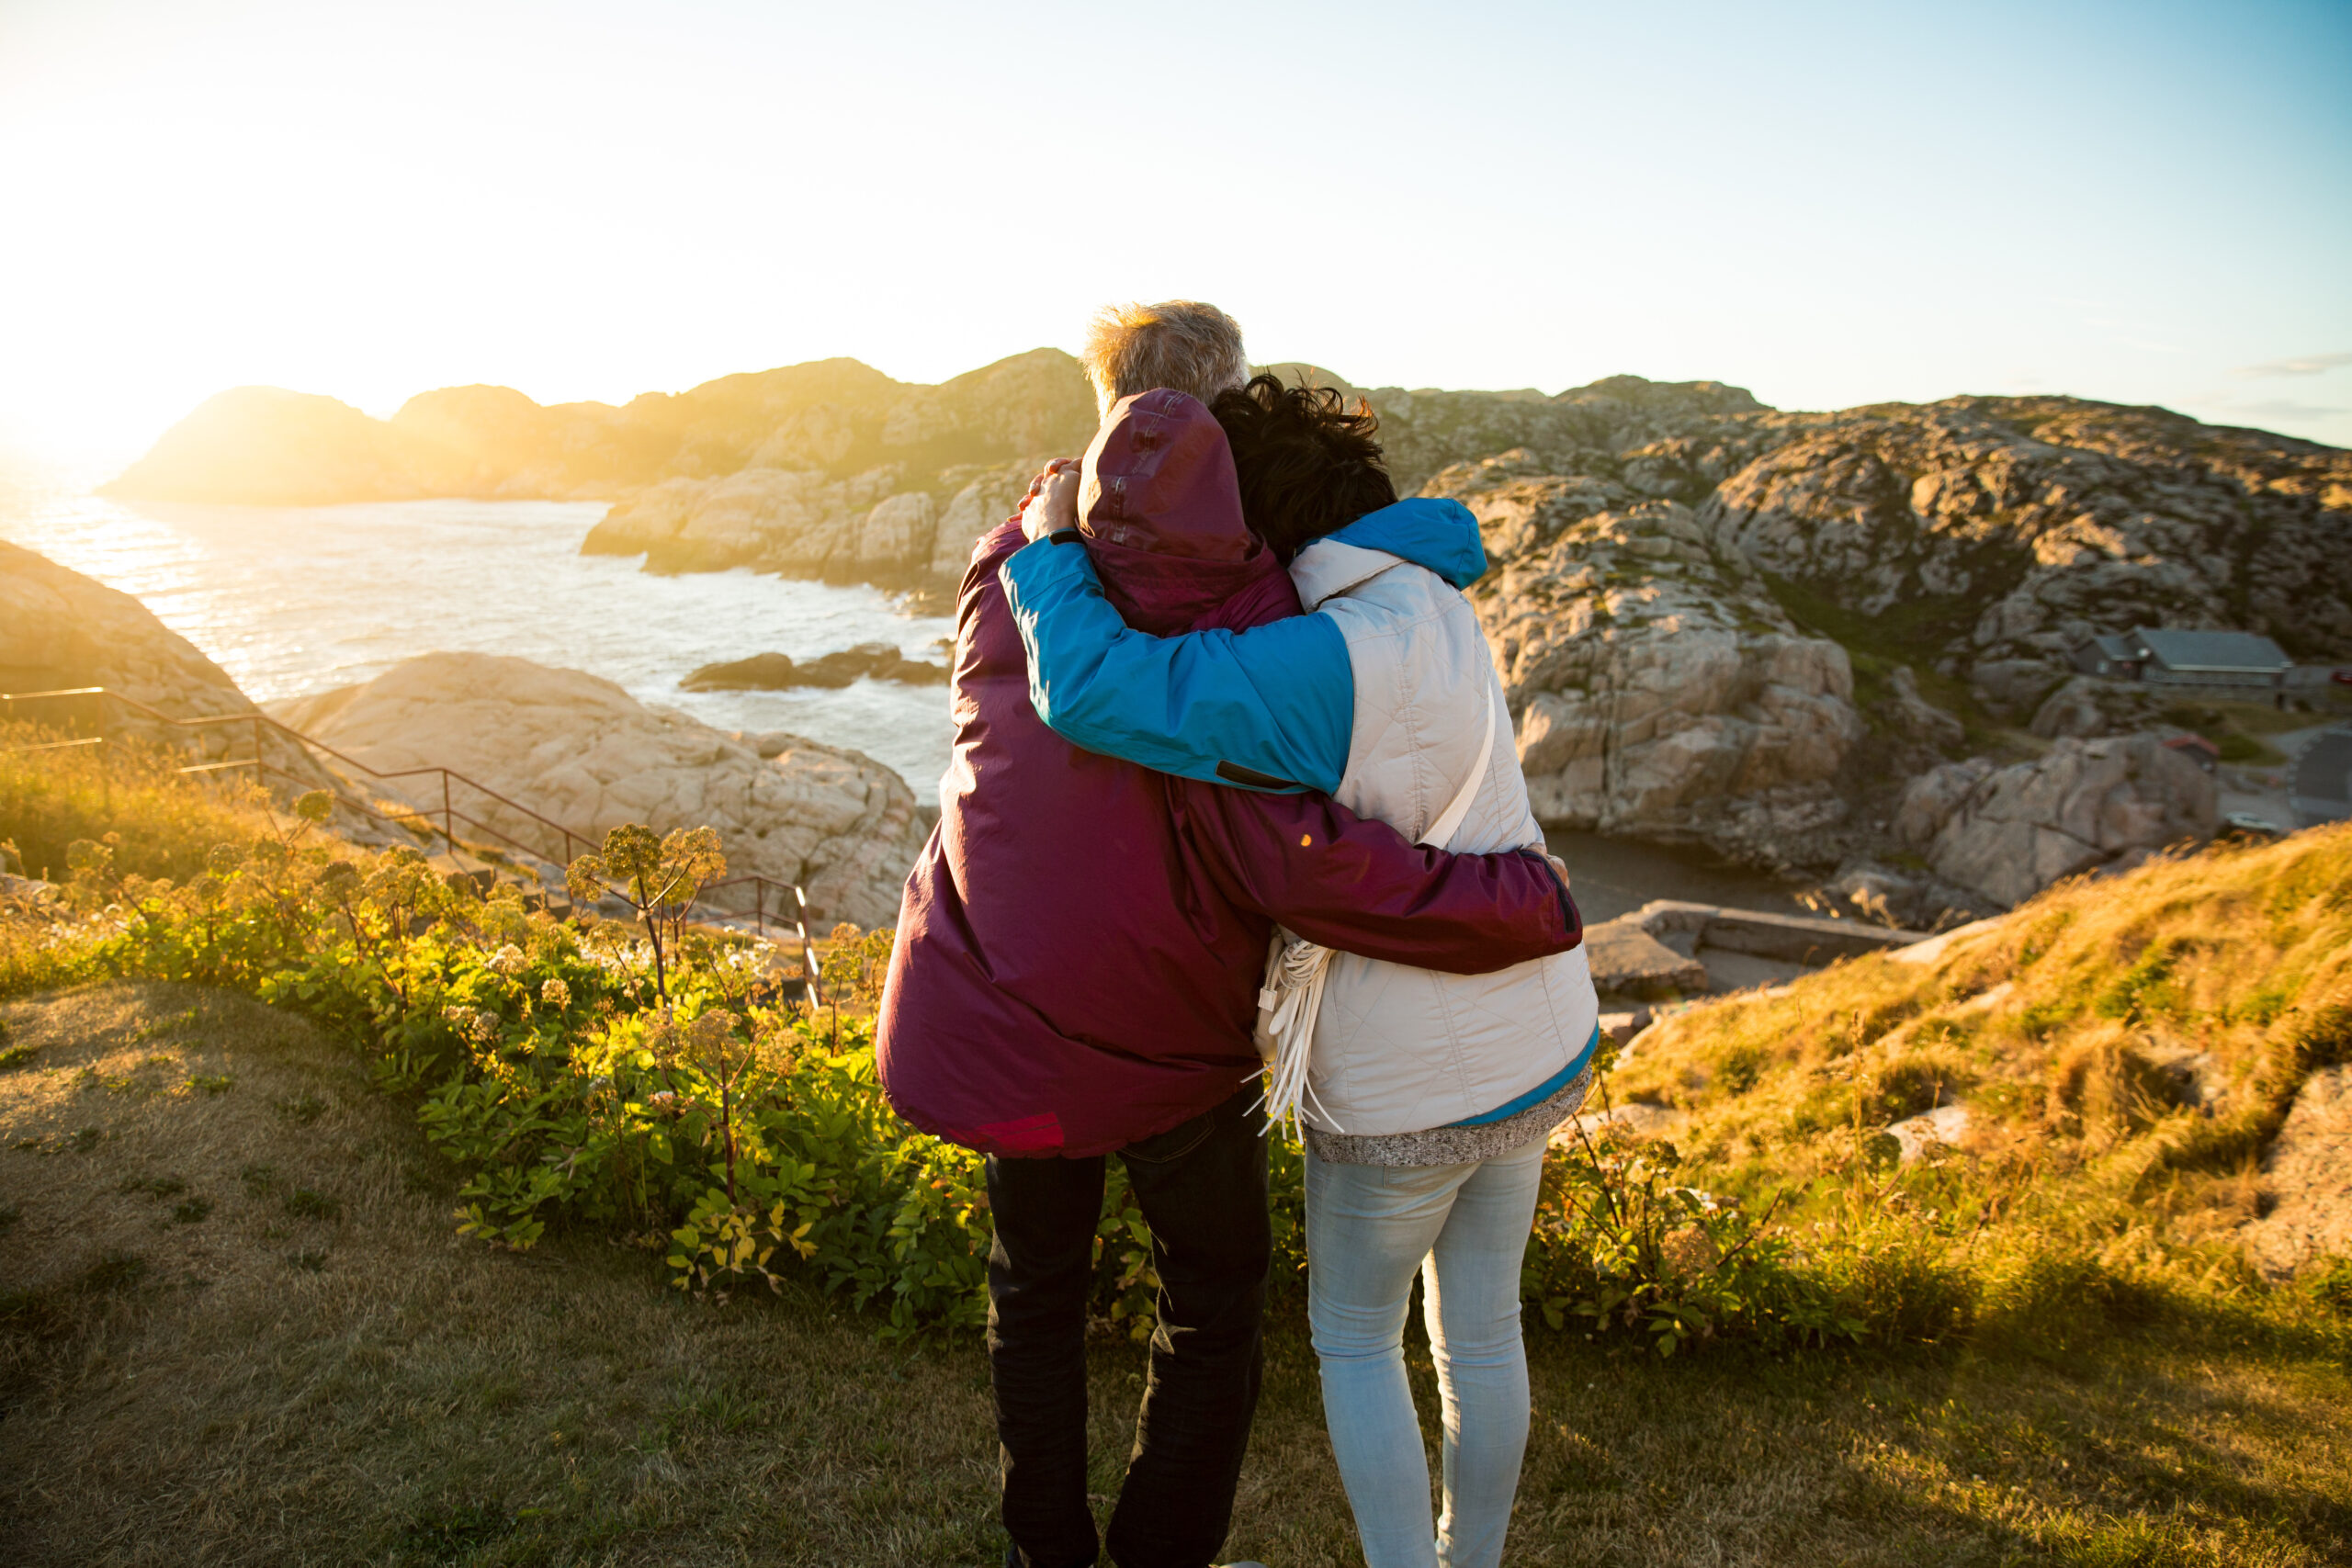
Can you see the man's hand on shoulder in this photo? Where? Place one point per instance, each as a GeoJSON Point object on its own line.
{"type": "Point", "coordinates": [1052, 504]}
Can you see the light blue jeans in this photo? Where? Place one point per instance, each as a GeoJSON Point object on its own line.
{"type": "Point", "coordinates": [1463, 1228]}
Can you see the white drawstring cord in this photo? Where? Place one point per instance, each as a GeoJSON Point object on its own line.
{"type": "Point", "coordinates": [1293, 998]}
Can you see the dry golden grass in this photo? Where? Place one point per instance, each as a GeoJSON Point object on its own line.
{"type": "Point", "coordinates": [340, 1380]}
{"type": "Point", "coordinates": [165, 822]}
{"type": "Point", "coordinates": [2070, 1031]}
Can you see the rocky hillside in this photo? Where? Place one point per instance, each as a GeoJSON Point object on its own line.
{"type": "Point", "coordinates": [2187, 1025]}
{"type": "Point", "coordinates": [1756, 630]}
{"type": "Point", "coordinates": [806, 454]}
{"type": "Point", "coordinates": [1720, 623]}
{"type": "Point", "coordinates": [61, 631]}
{"type": "Point", "coordinates": [1992, 531]}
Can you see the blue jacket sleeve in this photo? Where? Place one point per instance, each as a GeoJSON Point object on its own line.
{"type": "Point", "coordinates": [1269, 708]}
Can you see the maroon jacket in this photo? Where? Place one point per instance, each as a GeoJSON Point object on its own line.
{"type": "Point", "coordinates": [1082, 943]}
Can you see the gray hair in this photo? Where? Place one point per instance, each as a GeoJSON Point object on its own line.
{"type": "Point", "coordinates": [1182, 344]}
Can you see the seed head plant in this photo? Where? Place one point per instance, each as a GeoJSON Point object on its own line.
{"type": "Point", "coordinates": [659, 878]}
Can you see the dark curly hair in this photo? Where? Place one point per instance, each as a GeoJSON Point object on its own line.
{"type": "Point", "coordinates": [1309, 463]}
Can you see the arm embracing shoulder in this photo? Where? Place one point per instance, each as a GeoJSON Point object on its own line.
{"type": "Point", "coordinates": [1271, 708]}
{"type": "Point", "coordinates": [1354, 883]}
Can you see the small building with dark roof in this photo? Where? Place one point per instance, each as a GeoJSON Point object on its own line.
{"type": "Point", "coordinates": [2113, 654]}
{"type": "Point", "coordinates": [2322, 791]}
{"type": "Point", "coordinates": [2210, 659]}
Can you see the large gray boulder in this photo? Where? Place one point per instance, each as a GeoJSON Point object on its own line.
{"type": "Point", "coordinates": [1659, 690]}
{"type": "Point", "coordinates": [582, 752]}
{"type": "Point", "coordinates": [2088, 705]}
{"type": "Point", "coordinates": [2308, 1168]}
{"type": "Point", "coordinates": [2009, 832]}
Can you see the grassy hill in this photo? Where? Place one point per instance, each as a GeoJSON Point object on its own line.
{"type": "Point", "coordinates": [238, 1323]}
{"type": "Point", "coordinates": [2121, 1052]}
{"type": "Point", "coordinates": [238, 1330]}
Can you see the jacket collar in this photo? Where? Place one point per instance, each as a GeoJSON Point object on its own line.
{"type": "Point", "coordinates": [1330, 567]}
{"type": "Point", "coordinates": [1440, 535]}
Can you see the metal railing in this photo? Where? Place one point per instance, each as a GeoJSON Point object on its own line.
{"type": "Point", "coordinates": [449, 816]}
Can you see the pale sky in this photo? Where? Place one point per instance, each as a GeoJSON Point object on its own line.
{"type": "Point", "coordinates": [1828, 204]}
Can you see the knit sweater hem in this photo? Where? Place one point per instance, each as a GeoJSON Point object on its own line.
{"type": "Point", "coordinates": [1453, 1145]}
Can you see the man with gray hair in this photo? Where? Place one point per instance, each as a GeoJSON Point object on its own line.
{"type": "Point", "coordinates": [1182, 344]}
{"type": "Point", "coordinates": [1185, 345]}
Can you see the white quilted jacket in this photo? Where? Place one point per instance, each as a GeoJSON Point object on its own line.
{"type": "Point", "coordinates": [1399, 1049]}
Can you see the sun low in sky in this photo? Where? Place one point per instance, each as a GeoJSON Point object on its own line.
{"type": "Point", "coordinates": [1830, 205]}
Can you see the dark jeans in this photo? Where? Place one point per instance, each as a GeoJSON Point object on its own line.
{"type": "Point", "coordinates": [1201, 1187]}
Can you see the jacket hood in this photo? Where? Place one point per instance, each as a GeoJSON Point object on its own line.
{"type": "Point", "coordinates": [1161, 510]}
{"type": "Point", "coordinates": [1440, 535]}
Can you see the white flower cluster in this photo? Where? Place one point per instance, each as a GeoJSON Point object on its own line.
{"type": "Point", "coordinates": [748, 960]}
{"type": "Point", "coordinates": [473, 1022]}
{"type": "Point", "coordinates": [624, 958]}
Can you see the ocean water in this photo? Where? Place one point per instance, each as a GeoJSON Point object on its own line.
{"type": "Point", "coordinates": [295, 600]}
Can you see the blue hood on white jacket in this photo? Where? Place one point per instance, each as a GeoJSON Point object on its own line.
{"type": "Point", "coordinates": [1440, 535]}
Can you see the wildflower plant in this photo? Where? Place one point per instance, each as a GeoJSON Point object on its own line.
{"type": "Point", "coordinates": [660, 878]}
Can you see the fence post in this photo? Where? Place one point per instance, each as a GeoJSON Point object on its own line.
{"type": "Point", "coordinates": [808, 951]}
{"type": "Point", "coordinates": [448, 821]}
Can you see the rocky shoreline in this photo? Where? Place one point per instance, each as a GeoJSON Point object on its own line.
{"type": "Point", "coordinates": [583, 751]}
{"type": "Point", "coordinates": [561, 744]}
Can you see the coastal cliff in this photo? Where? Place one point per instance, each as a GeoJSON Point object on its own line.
{"type": "Point", "coordinates": [61, 631]}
